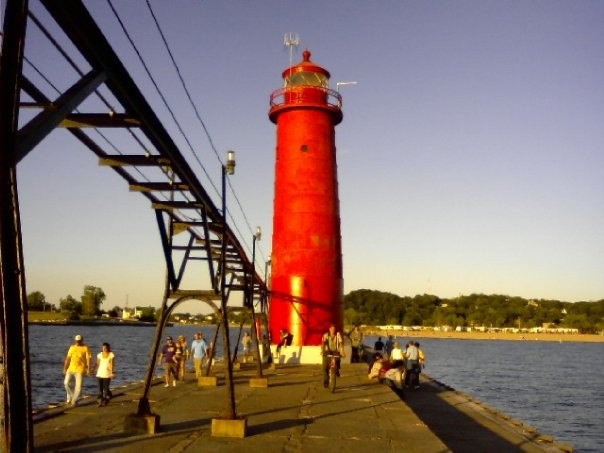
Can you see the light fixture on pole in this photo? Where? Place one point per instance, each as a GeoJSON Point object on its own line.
{"type": "Point", "coordinates": [230, 165]}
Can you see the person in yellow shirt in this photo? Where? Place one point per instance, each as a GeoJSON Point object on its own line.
{"type": "Point", "coordinates": [77, 363]}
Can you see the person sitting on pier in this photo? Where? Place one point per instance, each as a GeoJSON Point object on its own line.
{"type": "Point", "coordinates": [331, 344]}
{"type": "Point", "coordinates": [386, 372]}
{"type": "Point", "coordinates": [396, 355]}
{"type": "Point", "coordinates": [284, 340]}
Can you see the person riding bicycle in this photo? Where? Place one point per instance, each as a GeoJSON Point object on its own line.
{"type": "Point", "coordinates": [331, 344]}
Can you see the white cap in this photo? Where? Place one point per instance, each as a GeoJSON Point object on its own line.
{"type": "Point", "coordinates": [78, 337]}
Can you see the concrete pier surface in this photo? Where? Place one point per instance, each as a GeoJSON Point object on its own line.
{"type": "Point", "coordinates": [294, 414]}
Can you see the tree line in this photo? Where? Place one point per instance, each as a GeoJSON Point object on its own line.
{"type": "Point", "coordinates": [89, 304]}
{"type": "Point", "coordinates": [372, 307]}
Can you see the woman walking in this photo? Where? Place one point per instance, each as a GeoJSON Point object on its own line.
{"type": "Point", "coordinates": [105, 363]}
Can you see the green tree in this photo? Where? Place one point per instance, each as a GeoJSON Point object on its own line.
{"type": "Point", "coordinates": [351, 316]}
{"type": "Point", "coordinates": [413, 317]}
{"type": "Point", "coordinates": [496, 310]}
{"type": "Point", "coordinates": [149, 314]}
{"type": "Point", "coordinates": [92, 299]}
{"type": "Point", "coordinates": [36, 301]}
{"type": "Point", "coordinates": [69, 304]}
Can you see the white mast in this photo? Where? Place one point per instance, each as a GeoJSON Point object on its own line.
{"type": "Point", "coordinates": [291, 40]}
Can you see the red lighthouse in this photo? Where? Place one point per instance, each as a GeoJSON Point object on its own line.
{"type": "Point", "coordinates": [306, 259]}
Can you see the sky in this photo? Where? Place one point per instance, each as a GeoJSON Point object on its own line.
{"type": "Point", "coordinates": [470, 157]}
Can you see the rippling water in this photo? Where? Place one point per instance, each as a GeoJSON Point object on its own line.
{"type": "Point", "coordinates": [555, 387]}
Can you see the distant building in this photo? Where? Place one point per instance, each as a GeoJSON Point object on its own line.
{"type": "Point", "coordinates": [132, 313]}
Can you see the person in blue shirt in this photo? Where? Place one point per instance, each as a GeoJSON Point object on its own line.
{"type": "Point", "coordinates": [199, 350]}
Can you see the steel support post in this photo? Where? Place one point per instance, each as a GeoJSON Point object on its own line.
{"type": "Point", "coordinates": [16, 416]}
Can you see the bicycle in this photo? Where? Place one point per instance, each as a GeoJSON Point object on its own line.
{"type": "Point", "coordinates": [333, 371]}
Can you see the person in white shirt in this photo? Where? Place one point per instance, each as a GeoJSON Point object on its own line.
{"type": "Point", "coordinates": [331, 344]}
{"type": "Point", "coordinates": [105, 370]}
{"type": "Point", "coordinates": [412, 365]}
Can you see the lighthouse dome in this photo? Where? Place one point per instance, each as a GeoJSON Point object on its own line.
{"type": "Point", "coordinates": [306, 73]}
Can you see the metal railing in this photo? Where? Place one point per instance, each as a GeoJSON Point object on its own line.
{"type": "Point", "coordinates": [305, 94]}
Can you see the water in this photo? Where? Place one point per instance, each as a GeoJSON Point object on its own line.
{"type": "Point", "coordinates": [555, 387]}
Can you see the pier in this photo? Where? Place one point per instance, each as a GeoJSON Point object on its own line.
{"type": "Point", "coordinates": [294, 414]}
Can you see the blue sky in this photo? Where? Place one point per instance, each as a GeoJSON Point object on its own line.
{"type": "Point", "coordinates": [470, 157]}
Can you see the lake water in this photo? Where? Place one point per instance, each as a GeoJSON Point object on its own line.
{"type": "Point", "coordinates": [555, 387]}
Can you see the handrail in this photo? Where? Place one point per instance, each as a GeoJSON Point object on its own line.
{"type": "Point", "coordinates": [303, 94]}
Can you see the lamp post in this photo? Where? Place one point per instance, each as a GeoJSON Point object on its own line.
{"type": "Point", "coordinates": [227, 169]}
{"type": "Point", "coordinates": [257, 237]}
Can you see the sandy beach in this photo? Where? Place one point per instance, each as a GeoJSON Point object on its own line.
{"type": "Point", "coordinates": [559, 337]}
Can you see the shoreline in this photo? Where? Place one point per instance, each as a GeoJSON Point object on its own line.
{"type": "Point", "coordinates": [376, 332]}
{"type": "Point", "coordinates": [453, 335]}
{"type": "Point", "coordinates": [93, 322]}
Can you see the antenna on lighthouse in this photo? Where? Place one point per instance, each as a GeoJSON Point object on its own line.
{"type": "Point", "coordinates": [291, 40]}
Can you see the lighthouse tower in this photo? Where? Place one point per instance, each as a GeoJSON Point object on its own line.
{"type": "Point", "coordinates": [306, 259]}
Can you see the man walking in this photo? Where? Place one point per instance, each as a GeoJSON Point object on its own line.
{"type": "Point", "coordinates": [76, 364]}
{"type": "Point", "coordinates": [412, 366]}
{"type": "Point", "coordinates": [331, 344]}
{"type": "Point", "coordinates": [199, 350]}
{"type": "Point", "coordinates": [168, 358]}
{"type": "Point", "coordinates": [356, 341]}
